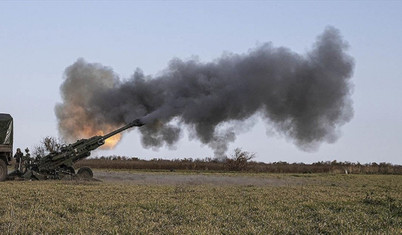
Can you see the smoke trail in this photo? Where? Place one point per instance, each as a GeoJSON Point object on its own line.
{"type": "Point", "coordinates": [304, 97]}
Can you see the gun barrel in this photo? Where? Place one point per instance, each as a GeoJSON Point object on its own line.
{"type": "Point", "coordinates": [136, 122]}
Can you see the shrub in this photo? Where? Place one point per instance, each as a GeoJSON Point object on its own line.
{"type": "Point", "coordinates": [239, 160]}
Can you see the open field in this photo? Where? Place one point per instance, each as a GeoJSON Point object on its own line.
{"type": "Point", "coordinates": [175, 203]}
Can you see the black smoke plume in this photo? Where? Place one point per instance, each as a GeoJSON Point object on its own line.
{"type": "Point", "coordinates": [303, 97]}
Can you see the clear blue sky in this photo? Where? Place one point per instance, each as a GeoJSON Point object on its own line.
{"type": "Point", "coordinates": [39, 39]}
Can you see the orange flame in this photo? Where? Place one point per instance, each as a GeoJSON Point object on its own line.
{"type": "Point", "coordinates": [110, 143]}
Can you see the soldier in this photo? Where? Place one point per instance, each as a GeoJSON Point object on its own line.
{"type": "Point", "coordinates": [18, 158]}
{"type": "Point", "coordinates": [26, 160]}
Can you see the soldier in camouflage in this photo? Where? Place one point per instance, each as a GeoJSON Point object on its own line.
{"type": "Point", "coordinates": [18, 159]}
{"type": "Point", "coordinates": [26, 160]}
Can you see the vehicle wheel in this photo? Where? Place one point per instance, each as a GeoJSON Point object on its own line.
{"type": "Point", "coordinates": [85, 173]}
{"type": "Point", "coordinates": [3, 170]}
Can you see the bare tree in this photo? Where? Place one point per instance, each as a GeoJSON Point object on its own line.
{"type": "Point", "coordinates": [48, 145]}
{"type": "Point", "coordinates": [239, 160]}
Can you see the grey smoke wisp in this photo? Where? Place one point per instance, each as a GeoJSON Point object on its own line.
{"type": "Point", "coordinates": [306, 97]}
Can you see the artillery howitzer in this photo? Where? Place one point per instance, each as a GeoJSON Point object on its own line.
{"type": "Point", "coordinates": [57, 165]}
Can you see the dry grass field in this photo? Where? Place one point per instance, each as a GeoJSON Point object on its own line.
{"type": "Point", "coordinates": [281, 204]}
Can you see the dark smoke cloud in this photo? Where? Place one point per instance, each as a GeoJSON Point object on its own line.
{"type": "Point", "coordinates": [303, 97]}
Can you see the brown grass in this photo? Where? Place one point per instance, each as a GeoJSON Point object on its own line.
{"type": "Point", "coordinates": [323, 204]}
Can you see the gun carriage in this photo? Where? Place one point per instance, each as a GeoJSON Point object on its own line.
{"type": "Point", "coordinates": [57, 165]}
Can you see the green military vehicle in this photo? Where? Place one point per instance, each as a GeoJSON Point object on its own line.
{"type": "Point", "coordinates": [6, 143]}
